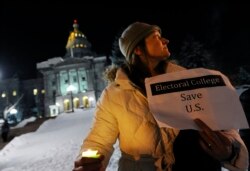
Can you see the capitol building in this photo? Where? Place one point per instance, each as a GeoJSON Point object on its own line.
{"type": "Point", "coordinates": [72, 81]}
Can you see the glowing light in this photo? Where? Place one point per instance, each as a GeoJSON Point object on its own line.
{"type": "Point", "coordinates": [3, 95]}
{"type": "Point", "coordinates": [90, 153]}
{"type": "Point", "coordinates": [70, 88]}
{"type": "Point", "coordinates": [13, 111]}
{"type": "Point", "coordinates": [91, 99]}
{"type": "Point", "coordinates": [35, 91]}
{"type": "Point", "coordinates": [14, 93]}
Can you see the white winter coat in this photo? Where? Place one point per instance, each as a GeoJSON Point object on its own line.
{"type": "Point", "coordinates": [122, 113]}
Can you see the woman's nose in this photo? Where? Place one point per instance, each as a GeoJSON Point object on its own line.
{"type": "Point", "coordinates": [165, 41]}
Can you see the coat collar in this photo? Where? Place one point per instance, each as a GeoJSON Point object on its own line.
{"type": "Point", "coordinates": [123, 81]}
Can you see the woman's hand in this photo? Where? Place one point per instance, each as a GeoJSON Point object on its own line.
{"type": "Point", "coordinates": [89, 164]}
{"type": "Point", "coordinates": [214, 143]}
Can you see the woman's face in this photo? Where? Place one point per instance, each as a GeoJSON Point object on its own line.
{"type": "Point", "coordinates": [156, 46]}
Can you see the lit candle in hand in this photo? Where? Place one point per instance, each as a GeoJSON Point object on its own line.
{"type": "Point", "coordinates": [91, 154]}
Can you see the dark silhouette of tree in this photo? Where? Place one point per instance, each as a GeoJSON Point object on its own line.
{"type": "Point", "coordinates": [242, 76]}
{"type": "Point", "coordinates": [117, 57]}
{"type": "Point", "coordinates": [193, 54]}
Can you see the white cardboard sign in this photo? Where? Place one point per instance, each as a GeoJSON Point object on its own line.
{"type": "Point", "coordinates": [175, 99]}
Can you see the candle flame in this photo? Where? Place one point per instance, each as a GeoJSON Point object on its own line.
{"type": "Point", "coordinates": [90, 153]}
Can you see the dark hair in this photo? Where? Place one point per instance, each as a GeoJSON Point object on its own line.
{"type": "Point", "coordinates": [137, 71]}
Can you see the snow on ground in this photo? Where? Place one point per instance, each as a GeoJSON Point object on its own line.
{"type": "Point", "coordinates": [24, 122]}
{"type": "Point", "coordinates": [54, 146]}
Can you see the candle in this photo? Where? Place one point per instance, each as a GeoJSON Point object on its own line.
{"type": "Point", "coordinates": [90, 153]}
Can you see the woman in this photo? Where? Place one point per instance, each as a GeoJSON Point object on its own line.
{"type": "Point", "coordinates": [122, 113]}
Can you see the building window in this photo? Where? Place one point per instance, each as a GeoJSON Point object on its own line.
{"type": "Point", "coordinates": [43, 91]}
{"type": "Point", "coordinates": [66, 81]}
{"type": "Point", "coordinates": [83, 78]}
{"type": "Point", "coordinates": [3, 95]}
{"type": "Point", "coordinates": [14, 93]}
{"type": "Point", "coordinates": [35, 92]}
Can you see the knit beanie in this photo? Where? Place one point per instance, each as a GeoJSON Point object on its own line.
{"type": "Point", "coordinates": [133, 34]}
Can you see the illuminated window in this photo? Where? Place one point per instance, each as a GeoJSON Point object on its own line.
{"type": "Point", "coordinates": [81, 45]}
{"type": "Point", "coordinates": [77, 45]}
{"type": "Point", "coordinates": [14, 93]}
{"type": "Point", "coordinates": [75, 34]}
{"type": "Point", "coordinates": [3, 95]}
{"type": "Point", "coordinates": [43, 91]}
{"type": "Point", "coordinates": [35, 91]}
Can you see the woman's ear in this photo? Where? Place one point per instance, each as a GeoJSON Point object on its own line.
{"type": "Point", "coordinates": [138, 51]}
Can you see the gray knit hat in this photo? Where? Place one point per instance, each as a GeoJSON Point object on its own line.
{"type": "Point", "coordinates": [133, 34]}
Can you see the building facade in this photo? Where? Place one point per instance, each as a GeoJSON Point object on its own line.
{"type": "Point", "coordinates": [20, 99]}
{"type": "Point", "coordinates": [69, 82]}
{"type": "Point", "coordinates": [75, 80]}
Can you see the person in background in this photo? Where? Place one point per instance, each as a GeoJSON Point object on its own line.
{"type": "Point", "coordinates": [123, 113]}
{"type": "Point", "coordinates": [245, 101]}
{"type": "Point", "coordinates": [5, 130]}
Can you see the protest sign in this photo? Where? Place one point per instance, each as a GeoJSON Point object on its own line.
{"type": "Point", "coordinates": [177, 98]}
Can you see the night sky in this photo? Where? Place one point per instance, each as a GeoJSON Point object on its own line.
{"type": "Point", "coordinates": [33, 33]}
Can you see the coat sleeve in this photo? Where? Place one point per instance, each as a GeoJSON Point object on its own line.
{"type": "Point", "coordinates": [104, 131]}
{"type": "Point", "coordinates": [240, 161]}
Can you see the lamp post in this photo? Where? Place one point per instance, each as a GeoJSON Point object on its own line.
{"type": "Point", "coordinates": [13, 113]}
{"type": "Point", "coordinates": [70, 89]}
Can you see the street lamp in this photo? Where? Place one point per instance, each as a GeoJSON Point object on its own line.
{"type": "Point", "coordinates": [13, 111]}
{"type": "Point", "coordinates": [70, 89]}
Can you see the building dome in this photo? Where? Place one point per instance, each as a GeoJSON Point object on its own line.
{"type": "Point", "coordinates": [77, 45]}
